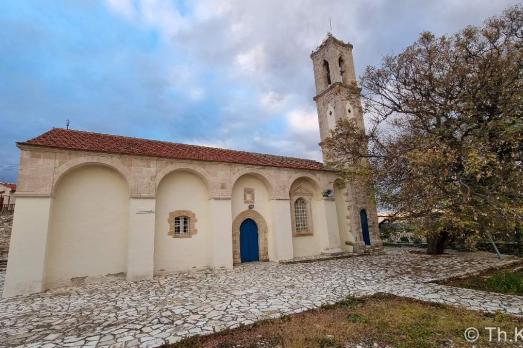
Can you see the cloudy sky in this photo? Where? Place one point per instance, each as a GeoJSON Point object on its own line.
{"type": "Point", "coordinates": [231, 73]}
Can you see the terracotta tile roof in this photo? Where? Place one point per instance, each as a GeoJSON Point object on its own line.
{"type": "Point", "coordinates": [7, 184]}
{"type": "Point", "coordinates": [86, 141]}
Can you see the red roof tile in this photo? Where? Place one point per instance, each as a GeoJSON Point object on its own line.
{"type": "Point", "coordinates": [11, 186]}
{"type": "Point", "coordinates": [96, 142]}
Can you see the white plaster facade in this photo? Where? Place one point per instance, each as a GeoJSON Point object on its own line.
{"type": "Point", "coordinates": [88, 214]}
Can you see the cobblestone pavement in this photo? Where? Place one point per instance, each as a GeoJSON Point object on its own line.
{"type": "Point", "coordinates": [115, 313]}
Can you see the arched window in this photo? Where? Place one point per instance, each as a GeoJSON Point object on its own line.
{"type": "Point", "coordinates": [301, 196]}
{"type": "Point", "coordinates": [341, 65]}
{"type": "Point", "coordinates": [327, 72]}
{"type": "Point", "coordinates": [301, 215]}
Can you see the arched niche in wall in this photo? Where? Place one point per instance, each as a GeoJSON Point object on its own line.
{"type": "Point", "coordinates": [89, 224]}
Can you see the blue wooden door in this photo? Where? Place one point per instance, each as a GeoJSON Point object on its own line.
{"type": "Point", "coordinates": [365, 226]}
{"type": "Point", "coordinates": [249, 249]}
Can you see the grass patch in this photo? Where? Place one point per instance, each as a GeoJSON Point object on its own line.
{"type": "Point", "coordinates": [356, 318]}
{"type": "Point", "coordinates": [347, 302]}
{"type": "Point", "coordinates": [504, 281]}
{"type": "Point", "coordinates": [381, 319]}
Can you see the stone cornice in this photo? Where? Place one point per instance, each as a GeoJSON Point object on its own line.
{"type": "Point", "coordinates": [334, 87]}
{"type": "Point", "coordinates": [32, 194]}
{"type": "Point", "coordinates": [330, 38]}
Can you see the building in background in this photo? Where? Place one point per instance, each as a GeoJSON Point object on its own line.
{"type": "Point", "coordinates": [7, 197]}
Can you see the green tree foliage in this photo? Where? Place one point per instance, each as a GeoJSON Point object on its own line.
{"type": "Point", "coordinates": [444, 139]}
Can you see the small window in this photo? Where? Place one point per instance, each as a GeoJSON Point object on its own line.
{"type": "Point", "coordinates": [331, 119]}
{"type": "Point", "coordinates": [341, 65]}
{"type": "Point", "coordinates": [300, 213]}
{"type": "Point", "coordinates": [182, 225]}
{"type": "Point", "coordinates": [327, 72]}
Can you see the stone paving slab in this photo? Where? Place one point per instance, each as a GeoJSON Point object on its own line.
{"type": "Point", "coordinates": [116, 313]}
{"type": "Point", "coordinates": [460, 297]}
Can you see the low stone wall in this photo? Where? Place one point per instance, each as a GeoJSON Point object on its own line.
{"type": "Point", "coordinates": [509, 248]}
{"type": "Point", "coordinates": [6, 222]}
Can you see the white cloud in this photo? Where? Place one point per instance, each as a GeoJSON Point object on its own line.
{"type": "Point", "coordinates": [208, 9]}
{"type": "Point", "coordinates": [184, 81]}
{"type": "Point", "coordinates": [158, 14]}
{"type": "Point", "coordinates": [196, 93]}
{"type": "Point", "coordinates": [272, 101]}
{"type": "Point", "coordinates": [164, 16]}
{"type": "Point", "coordinates": [124, 8]}
{"type": "Point", "coordinates": [303, 121]}
{"type": "Point", "coordinates": [252, 61]}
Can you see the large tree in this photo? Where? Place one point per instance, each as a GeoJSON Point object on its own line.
{"type": "Point", "coordinates": [443, 142]}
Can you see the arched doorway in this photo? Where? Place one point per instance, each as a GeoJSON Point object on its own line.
{"type": "Point", "coordinates": [261, 229]}
{"type": "Point", "coordinates": [249, 244]}
{"type": "Point", "coordinates": [365, 226]}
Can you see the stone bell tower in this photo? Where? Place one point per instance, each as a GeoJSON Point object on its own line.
{"type": "Point", "coordinates": [337, 98]}
{"type": "Point", "coordinates": [333, 74]}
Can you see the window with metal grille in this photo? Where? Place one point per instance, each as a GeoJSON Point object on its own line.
{"type": "Point", "coordinates": [181, 225]}
{"type": "Point", "coordinates": [300, 215]}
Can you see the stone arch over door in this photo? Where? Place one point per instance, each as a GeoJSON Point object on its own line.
{"type": "Point", "coordinates": [262, 232]}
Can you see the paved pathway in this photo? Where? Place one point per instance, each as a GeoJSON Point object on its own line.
{"type": "Point", "coordinates": [116, 313]}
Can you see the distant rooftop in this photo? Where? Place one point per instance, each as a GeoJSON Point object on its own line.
{"type": "Point", "coordinates": [10, 185]}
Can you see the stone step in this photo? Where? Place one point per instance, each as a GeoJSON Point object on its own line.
{"type": "Point", "coordinates": [321, 257]}
{"type": "Point", "coordinates": [333, 256]}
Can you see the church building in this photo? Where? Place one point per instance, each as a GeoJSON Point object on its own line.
{"type": "Point", "coordinates": [91, 205]}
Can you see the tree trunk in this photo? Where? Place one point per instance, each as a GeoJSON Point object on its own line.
{"type": "Point", "coordinates": [519, 240]}
{"type": "Point", "coordinates": [436, 243]}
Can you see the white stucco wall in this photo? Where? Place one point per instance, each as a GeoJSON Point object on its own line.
{"type": "Point", "coordinates": [314, 244]}
{"type": "Point", "coordinates": [221, 221]}
{"type": "Point", "coordinates": [311, 245]}
{"type": "Point", "coordinates": [282, 228]}
{"type": "Point", "coordinates": [27, 249]}
{"type": "Point", "coordinates": [261, 205]}
{"type": "Point", "coordinates": [182, 190]}
{"type": "Point", "coordinates": [140, 239]}
{"type": "Point", "coordinates": [88, 227]}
